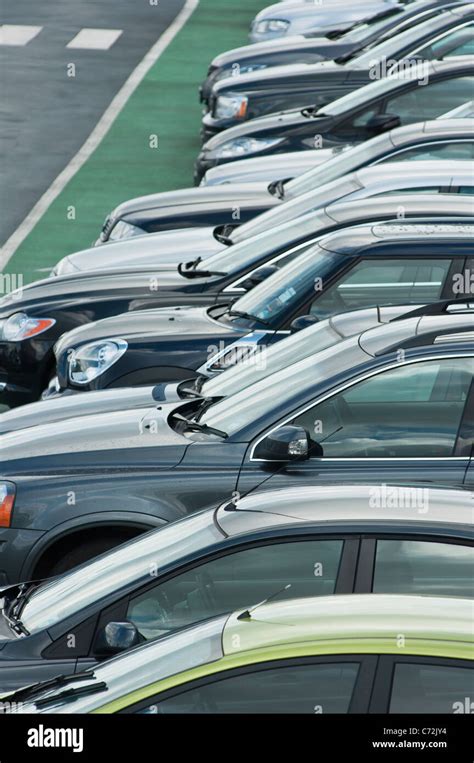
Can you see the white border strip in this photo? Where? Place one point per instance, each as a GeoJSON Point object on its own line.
{"type": "Point", "coordinates": [98, 133]}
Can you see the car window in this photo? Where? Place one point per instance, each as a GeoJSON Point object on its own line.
{"type": "Point", "coordinates": [430, 688]}
{"type": "Point", "coordinates": [413, 411]}
{"type": "Point", "coordinates": [424, 567]}
{"type": "Point", "coordinates": [325, 688]}
{"type": "Point", "coordinates": [379, 281]}
{"type": "Point", "coordinates": [431, 99]}
{"type": "Point", "coordinates": [469, 189]}
{"type": "Point", "coordinates": [458, 42]}
{"type": "Point", "coordinates": [236, 581]}
{"type": "Point", "coordinates": [432, 189]}
{"type": "Point", "coordinates": [456, 150]}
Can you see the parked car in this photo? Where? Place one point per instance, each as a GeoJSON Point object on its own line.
{"type": "Point", "coordinates": [390, 405]}
{"type": "Point", "coordinates": [246, 361]}
{"type": "Point", "coordinates": [310, 49]}
{"type": "Point", "coordinates": [296, 18]}
{"type": "Point", "coordinates": [270, 657]}
{"type": "Point", "coordinates": [436, 139]}
{"type": "Point", "coordinates": [392, 101]}
{"type": "Point", "coordinates": [44, 310]}
{"type": "Point", "coordinates": [449, 33]}
{"type": "Point", "coordinates": [319, 186]}
{"type": "Point", "coordinates": [229, 558]}
{"type": "Point", "coordinates": [343, 271]}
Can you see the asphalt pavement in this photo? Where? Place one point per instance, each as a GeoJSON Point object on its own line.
{"type": "Point", "coordinates": [45, 113]}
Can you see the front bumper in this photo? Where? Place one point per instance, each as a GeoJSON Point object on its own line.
{"type": "Point", "coordinates": [24, 370]}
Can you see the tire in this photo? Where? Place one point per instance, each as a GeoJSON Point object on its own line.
{"type": "Point", "coordinates": [78, 554]}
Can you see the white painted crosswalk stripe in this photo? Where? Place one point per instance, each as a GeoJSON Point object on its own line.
{"type": "Point", "coordinates": [95, 39]}
{"type": "Point", "coordinates": [18, 34]}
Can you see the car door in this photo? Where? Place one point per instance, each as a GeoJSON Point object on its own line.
{"type": "Point", "coordinates": [405, 422]}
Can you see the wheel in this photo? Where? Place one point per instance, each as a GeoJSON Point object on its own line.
{"type": "Point", "coordinates": [79, 554]}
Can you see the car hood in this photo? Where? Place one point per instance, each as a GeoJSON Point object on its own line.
{"type": "Point", "coordinates": [270, 168]}
{"type": "Point", "coordinates": [164, 250]}
{"type": "Point", "coordinates": [141, 324]}
{"type": "Point", "coordinates": [97, 440]}
{"type": "Point", "coordinates": [260, 126]}
{"type": "Point", "coordinates": [186, 196]}
{"type": "Point", "coordinates": [282, 73]}
{"type": "Point", "coordinates": [66, 406]}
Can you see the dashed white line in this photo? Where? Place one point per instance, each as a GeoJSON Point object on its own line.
{"type": "Point", "coordinates": [98, 133]}
{"type": "Point", "coordinates": [16, 34]}
{"type": "Point", "coordinates": [95, 39]}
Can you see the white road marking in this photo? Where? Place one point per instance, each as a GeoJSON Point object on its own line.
{"type": "Point", "coordinates": [98, 133]}
{"type": "Point", "coordinates": [95, 39]}
{"type": "Point", "coordinates": [16, 34]}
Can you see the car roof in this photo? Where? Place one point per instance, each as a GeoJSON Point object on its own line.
{"type": "Point", "coordinates": [419, 331]}
{"type": "Point", "coordinates": [342, 623]}
{"type": "Point", "coordinates": [326, 503]}
{"type": "Point", "coordinates": [353, 238]}
{"type": "Point", "coordinates": [442, 204]}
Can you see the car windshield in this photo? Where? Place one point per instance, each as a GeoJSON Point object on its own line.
{"type": "Point", "coordinates": [388, 48]}
{"type": "Point", "coordinates": [267, 360]}
{"type": "Point", "coordinates": [247, 253]}
{"type": "Point", "coordinates": [308, 202]}
{"type": "Point", "coordinates": [62, 597]}
{"type": "Point", "coordinates": [363, 30]}
{"type": "Point", "coordinates": [340, 164]}
{"type": "Point", "coordinates": [279, 294]}
{"type": "Point", "coordinates": [236, 412]}
{"type": "Point", "coordinates": [358, 97]}
{"type": "Point", "coordinates": [135, 669]}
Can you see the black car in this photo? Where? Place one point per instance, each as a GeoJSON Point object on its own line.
{"type": "Point", "coordinates": [46, 309]}
{"type": "Point", "coordinates": [377, 107]}
{"type": "Point", "coordinates": [390, 405]}
{"type": "Point", "coordinates": [309, 49]}
{"type": "Point", "coordinates": [363, 266]}
{"type": "Point", "coordinates": [230, 557]}
{"type": "Point", "coordinates": [239, 98]}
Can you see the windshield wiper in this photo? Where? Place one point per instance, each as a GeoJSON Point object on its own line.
{"type": "Point", "coordinates": [77, 691]}
{"type": "Point", "coordinates": [52, 683]}
{"type": "Point", "coordinates": [248, 316]}
{"type": "Point", "coordinates": [196, 426]}
{"type": "Point", "coordinates": [193, 273]}
{"type": "Point", "coordinates": [221, 234]}
{"type": "Point", "coordinates": [277, 188]}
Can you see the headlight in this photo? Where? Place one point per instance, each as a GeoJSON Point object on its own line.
{"type": "Point", "coordinates": [124, 230]}
{"type": "Point", "coordinates": [272, 26]}
{"type": "Point", "coordinates": [7, 499]}
{"type": "Point", "coordinates": [231, 106]}
{"type": "Point", "coordinates": [19, 326]}
{"type": "Point", "coordinates": [244, 146]}
{"type": "Point", "coordinates": [91, 360]}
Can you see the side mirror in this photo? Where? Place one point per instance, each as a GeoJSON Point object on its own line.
{"type": "Point", "coordinates": [258, 276]}
{"type": "Point", "coordinates": [287, 443]}
{"type": "Point", "coordinates": [302, 322]}
{"type": "Point", "coordinates": [116, 637]}
{"type": "Point", "coordinates": [383, 122]}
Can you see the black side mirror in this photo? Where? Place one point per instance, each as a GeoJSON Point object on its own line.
{"type": "Point", "coordinates": [116, 637]}
{"type": "Point", "coordinates": [287, 443]}
{"type": "Point", "coordinates": [258, 276]}
{"type": "Point", "coordinates": [383, 122]}
{"type": "Point", "coordinates": [302, 322]}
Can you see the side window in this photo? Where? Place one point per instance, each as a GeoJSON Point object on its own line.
{"type": "Point", "coordinates": [424, 567]}
{"type": "Point", "coordinates": [429, 688]}
{"type": "Point", "coordinates": [459, 42]}
{"type": "Point", "coordinates": [237, 581]}
{"type": "Point", "coordinates": [455, 150]}
{"type": "Point", "coordinates": [326, 688]}
{"type": "Point", "coordinates": [378, 281]}
{"type": "Point", "coordinates": [469, 189]}
{"type": "Point", "coordinates": [407, 412]}
{"type": "Point", "coordinates": [428, 101]}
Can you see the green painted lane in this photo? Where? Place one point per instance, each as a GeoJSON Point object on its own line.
{"type": "Point", "coordinates": [127, 163]}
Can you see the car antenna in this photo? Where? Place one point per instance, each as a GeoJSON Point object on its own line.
{"type": "Point", "coordinates": [247, 613]}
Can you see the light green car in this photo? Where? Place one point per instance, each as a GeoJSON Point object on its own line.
{"type": "Point", "coordinates": [335, 654]}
